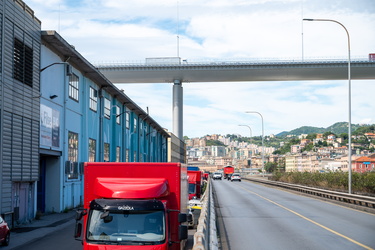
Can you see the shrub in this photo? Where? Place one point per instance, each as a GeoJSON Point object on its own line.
{"type": "Point", "coordinates": [361, 182]}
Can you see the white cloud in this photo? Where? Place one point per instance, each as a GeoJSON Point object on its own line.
{"type": "Point", "coordinates": [132, 30]}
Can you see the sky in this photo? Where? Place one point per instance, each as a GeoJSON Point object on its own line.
{"type": "Point", "coordinates": [107, 31]}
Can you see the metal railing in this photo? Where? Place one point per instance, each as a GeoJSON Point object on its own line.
{"type": "Point", "coordinates": [360, 200]}
{"type": "Point", "coordinates": [235, 61]}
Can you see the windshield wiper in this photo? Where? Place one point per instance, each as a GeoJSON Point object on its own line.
{"type": "Point", "coordinates": [105, 242]}
{"type": "Point", "coordinates": [133, 242]}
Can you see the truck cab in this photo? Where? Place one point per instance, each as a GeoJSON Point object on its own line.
{"type": "Point", "coordinates": [134, 206]}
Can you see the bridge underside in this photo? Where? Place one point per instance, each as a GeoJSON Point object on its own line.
{"type": "Point", "coordinates": [229, 72]}
{"type": "Point", "coordinates": [238, 72]}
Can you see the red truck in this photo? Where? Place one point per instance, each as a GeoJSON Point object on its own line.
{"type": "Point", "coordinates": [133, 206]}
{"type": "Point", "coordinates": [195, 184]}
{"type": "Point", "coordinates": [228, 171]}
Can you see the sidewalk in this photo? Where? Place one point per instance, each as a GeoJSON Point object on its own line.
{"type": "Point", "coordinates": [39, 228]}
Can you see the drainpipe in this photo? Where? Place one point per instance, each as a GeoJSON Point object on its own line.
{"type": "Point", "coordinates": [101, 109]}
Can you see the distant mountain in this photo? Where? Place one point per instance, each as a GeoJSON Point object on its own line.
{"type": "Point", "coordinates": [337, 128]}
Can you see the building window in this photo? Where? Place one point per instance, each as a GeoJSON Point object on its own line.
{"type": "Point", "coordinates": [107, 108]}
{"type": "Point", "coordinates": [118, 114]}
{"type": "Point", "coordinates": [127, 120]}
{"type": "Point", "coordinates": [23, 63]}
{"type": "Point", "coordinates": [74, 87]}
{"type": "Point", "coordinates": [73, 155]}
{"type": "Point", "coordinates": [127, 155]}
{"type": "Point", "coordinates": [118, 149]}
{"type": "Point", "coordinates": [106, 151]}
{"type": "Point", "coordinates": [93, 99]}
{"type": "Point", "coordinates": [135, 125]}
{"type": "Point", "coordinates": [92, 150]}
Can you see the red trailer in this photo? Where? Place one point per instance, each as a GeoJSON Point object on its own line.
{"type": "Point", "coordinates": [228, 171]}
{"type": "Point", "coordinates": [133, 206]}
{"type": "Point", "coordinates": [195, 184]}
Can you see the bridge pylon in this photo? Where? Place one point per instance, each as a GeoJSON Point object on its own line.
{"type": "Point", "coordinates": [178, 108]}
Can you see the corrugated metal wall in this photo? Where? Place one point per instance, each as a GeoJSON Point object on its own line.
{"type": "Point", "coordinates": [20, 104]}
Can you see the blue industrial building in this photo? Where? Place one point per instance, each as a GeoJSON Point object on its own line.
{"type": "Point", "coordinates": [57, 112]}
{"type": "Point", "coordinates": [84, 117]}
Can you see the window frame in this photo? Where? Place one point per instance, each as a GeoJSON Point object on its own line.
{"type": "Point", "coordinates": [107, 108]}
{"type": "Point", "coordinates": [107, 152]}
{"type": "Point", "coordinates": [74, 87]}
{"type": "Point", "coordinates": [118, 154]}
{"type": "Point", "coordinates": [118, 116]}
{"type": "Point", "coordinates": [73, 151]}
{"type": "Point", "coordinates": [92, 150]}
{"type": "Point", "coordinates": [93, 99]}
{"type": "Point", "coordinates": [127, 122]}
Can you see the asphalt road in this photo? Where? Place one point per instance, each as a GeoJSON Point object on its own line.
{"type": "Point", "coordinates": [252, 216]}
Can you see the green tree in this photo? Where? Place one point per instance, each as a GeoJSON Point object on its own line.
{"type": "Point", "coordinates": [311, 136]}
{"type": "Point", "coordinates": [308, 147]}
{"type": "Point", "coordinates": [214, 143]}
{"type": "Point", "coordinates": [326, 134]}
{"type": "Point", "coordinates": [270, 167]}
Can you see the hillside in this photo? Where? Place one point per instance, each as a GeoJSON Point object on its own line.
{"type": "Point", "coordinates": [337, 128]}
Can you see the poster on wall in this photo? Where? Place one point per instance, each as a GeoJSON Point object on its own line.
{"type": "Point", "coordinates": [49, 126]}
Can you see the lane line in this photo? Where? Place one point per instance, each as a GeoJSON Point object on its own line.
{"type": "Point", "coordinates": [310, 220]}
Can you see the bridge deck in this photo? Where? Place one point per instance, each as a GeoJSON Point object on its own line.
{"type": "Point", "coordinates": [238, 71]}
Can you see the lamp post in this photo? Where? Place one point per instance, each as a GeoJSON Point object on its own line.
{"type": "Point", "coordinates": [262, 138]}
{"type": "Point", "coordinates": [349, 101]}
{"type": "Point", "coordinates": [249, 129]}
{"type": "Point", "coordinates": [250, 142]}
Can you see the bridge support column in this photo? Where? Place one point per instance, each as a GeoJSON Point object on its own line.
{"type": "Point", "coordinates": [178, 109]}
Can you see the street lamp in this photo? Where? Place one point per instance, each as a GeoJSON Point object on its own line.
{"type": "Point", "coordinates": [250, 142]}
{"type": "Point", "coordinates": [349, 100]}
{"type": "Point", "coordinates": [262, 138]}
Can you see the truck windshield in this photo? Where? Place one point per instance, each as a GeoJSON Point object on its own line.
{"type": "Point", "coordinates": [126, 227]}
{"type": "Point", "coordinates": [191, 188]}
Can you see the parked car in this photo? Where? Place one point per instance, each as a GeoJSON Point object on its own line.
{"type": "Point", "coordinates": [235, 177]}
{"type": "Point", "coordinates": [4, 232]}
{"type": "Point", "coordinates": [217, 176]}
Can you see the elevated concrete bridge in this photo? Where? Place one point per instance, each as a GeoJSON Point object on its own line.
{"type": "Point", "coordinates": [228, 71]}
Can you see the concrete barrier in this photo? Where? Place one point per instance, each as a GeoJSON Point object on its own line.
{"type": "Point", "coordinates": [206, 235]}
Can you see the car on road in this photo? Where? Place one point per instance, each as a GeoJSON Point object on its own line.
{"type": "Point", "coordinates": [235, 177]}
{"type": "Point", "coordinates": [217, 176]}
{"type": "Point", "coordinates": [4, 232]}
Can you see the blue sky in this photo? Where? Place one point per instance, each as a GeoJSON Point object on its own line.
{"type": "Point", "coordinates": [132, 30]}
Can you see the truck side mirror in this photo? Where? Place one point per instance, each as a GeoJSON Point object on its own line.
{"type": "Point", "coordinates": [182, 232]}
{"type": "Point", "coordinates": [182, 218]}
{"type": "Point", "coordinates": [80, 214]}
{"type": "Point", "coordinates": [78, 230]}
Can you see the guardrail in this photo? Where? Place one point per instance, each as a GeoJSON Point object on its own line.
{"type": "Point", "coordinates": [206, 235]}
{"type": "Point", "coordinates": [361, 200]}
